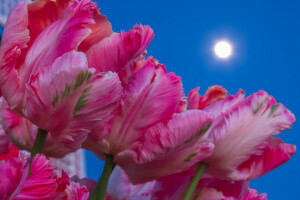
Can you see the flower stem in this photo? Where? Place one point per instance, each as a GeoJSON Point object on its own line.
{"type": "Point", "coordinates": [100, 189]}
{"type": "Point", "coordinates": [38, 145]}
{"type": "Point", "coordinates": [193, 184]}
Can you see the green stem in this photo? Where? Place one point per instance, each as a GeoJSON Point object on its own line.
{"type": "Point", "coordinates": [100, 189]}
{"type": "Point", "coordinates": [193, 184]}
{"type": "Point", "coordinates": [38, 145]}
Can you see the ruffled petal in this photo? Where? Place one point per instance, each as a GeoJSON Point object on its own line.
{"type": "Point", "coordinates": [53, 94]}
{"type": "Point", "coordinates": [100, 97]}
{"type": "Point", "coordinates": [60, 37]}
{"type": "Point", "coordinates": [252, 194]}
{"type": "Point", "coordinates": [272, 156]}
{"type": "Point", "coordinates": [13, 175]}
{"type": "Point", "coordinates": [213, 94]}
{"type": "Point", "coordinates": [240, 132]}
{"type": "Point", "coordinates": [41, 184]}
{"type": "Point", "coordinates": [100, 30]}
{"type": "Point", "coordinates": [150, 97]}
{"type": "Point", "coordinates": [120, 49]}
{"type": "Point", "coordinates": [168, 149]}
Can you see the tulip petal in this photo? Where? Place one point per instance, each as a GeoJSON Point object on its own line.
{"type": "Point", "coordinates": [13, 175]}
{"type": "Point", "coordinates": [14, 41]}
{"type": "Point", "coordinates": [98, 100]}
{"type": "Point", "coordinates": [222, 106]}
{"type": "Point", "coordinates": [53, 94]}
{"type": "Point", "coordinates": [41, 184]}
{"type": "Point", "coordinates": [274, 154]}
{"type": "Point", "coordinates": [244, 128]}
{"type": "Point", "coordinates": [149, 99]}
{"type": "Point", "coordinates": [168, 149]}
{"type": "Point", "coordinates": [213, 94]}
{"type": "Point", "coordinates": [60, 37]}
{"type": "Point", "coordinates": [120, 49]}
{"type": "Point", "coordinates": [42, 13]}
{"type": "Point", "coordinates": [252, 194]}
{"type": "Point", "coordinates": [100, 30]}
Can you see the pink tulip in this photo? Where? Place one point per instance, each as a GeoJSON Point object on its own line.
{"type": "Point", "coordinates": [147, 137]}
{"type": "Point", "coordinates": [243, 132]}
{"type": "Point", "coordinates": [42, 182]}
{"type": "Point", "coordinates": [22, 133]}
{"type": "Point", "coordinates": [43, 75]}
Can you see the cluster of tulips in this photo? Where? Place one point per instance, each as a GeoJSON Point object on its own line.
{"type": "Point", "coordinates": [69, 82]}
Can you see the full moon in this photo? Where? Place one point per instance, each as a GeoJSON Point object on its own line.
{"type": "Point", "coordinates": [223, 49]}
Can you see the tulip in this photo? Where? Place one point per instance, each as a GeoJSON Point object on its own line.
{"type": "Point", "coordinates": [150, 135]}
{"type": "Point", "coordinates": [44, 74]}
{"type": "Point", "coordinates": [43, 183]}
{"type": "Point", "coordinates": [242, 133]}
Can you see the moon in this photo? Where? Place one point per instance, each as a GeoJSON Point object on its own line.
{"type": "Point", "coordinates": [223, 49]}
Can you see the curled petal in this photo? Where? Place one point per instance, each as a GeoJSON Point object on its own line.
{"type": "Point", "coordinates": [213, 94]}
{"type": "Point", "coordinates": [273, 155]}
{"type": "Point", "coordinates": [115, 52]}
{"type": "Point", "coordinates": [252, 194]}
{"type": "Point", "coordinates": [13, 174]}
{"type": "Point", "coordinates": [100, 30]}
{"type": "Point", "coordinates": [52, 96]}
{"type": "Point", "coordinates": [168, 149]}
{"type": "Point", "coordinates": [100, 97]}
{"type": "Point", "coordinates": [240, 132]}
{"type": "Point", "coordinates": [60, 37]}
{"type": "Point", "coordinates": [41, 184]}
{"type": "Point", "coordinates": [150, 97]}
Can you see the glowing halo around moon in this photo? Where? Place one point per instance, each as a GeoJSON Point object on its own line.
{"type": "Point", "coordinates": [223, 49]}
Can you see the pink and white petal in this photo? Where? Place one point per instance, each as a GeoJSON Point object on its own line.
{"type": "Point", "coordinates": [53, 94]}
{"type": "Point", "coordinates": [13, 175]}
{"type": "Point", "coordinates": [14, 41]}
{"type": "Point", "coordinates": [226, 104]}
{"type": "Point", "coordinates": [120, 49]}
{"type": "Point", "coordinates": [213, 94]}
{"type": "Point", "coordinates": [240, 131]}
{"type": "Point", "coordinates": [252, 194]}
{"type": "Point", "coordinates": [100, 97]}
{"type": "Point", "coordinates": [168, 149]}
{"type": "Point", "coordinates": [147, 100]}
{"type": "Point", "coordinates": [41, 184]}
{"type": "Point", "coordinates": [273, 155]}
{"type": "Point", "coordinates": [60, 37]}
{"type": "Point", "coordinates": [119, 187]}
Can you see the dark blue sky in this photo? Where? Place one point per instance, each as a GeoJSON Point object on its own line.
{"type": "Point", "coordinates": [265, 35]}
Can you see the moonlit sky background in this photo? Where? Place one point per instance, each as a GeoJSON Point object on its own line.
{"type": "Point", "coordinates": [265, 35]}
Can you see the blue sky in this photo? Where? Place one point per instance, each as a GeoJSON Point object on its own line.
{"type": "Point", "coordinates": [265, 35]}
